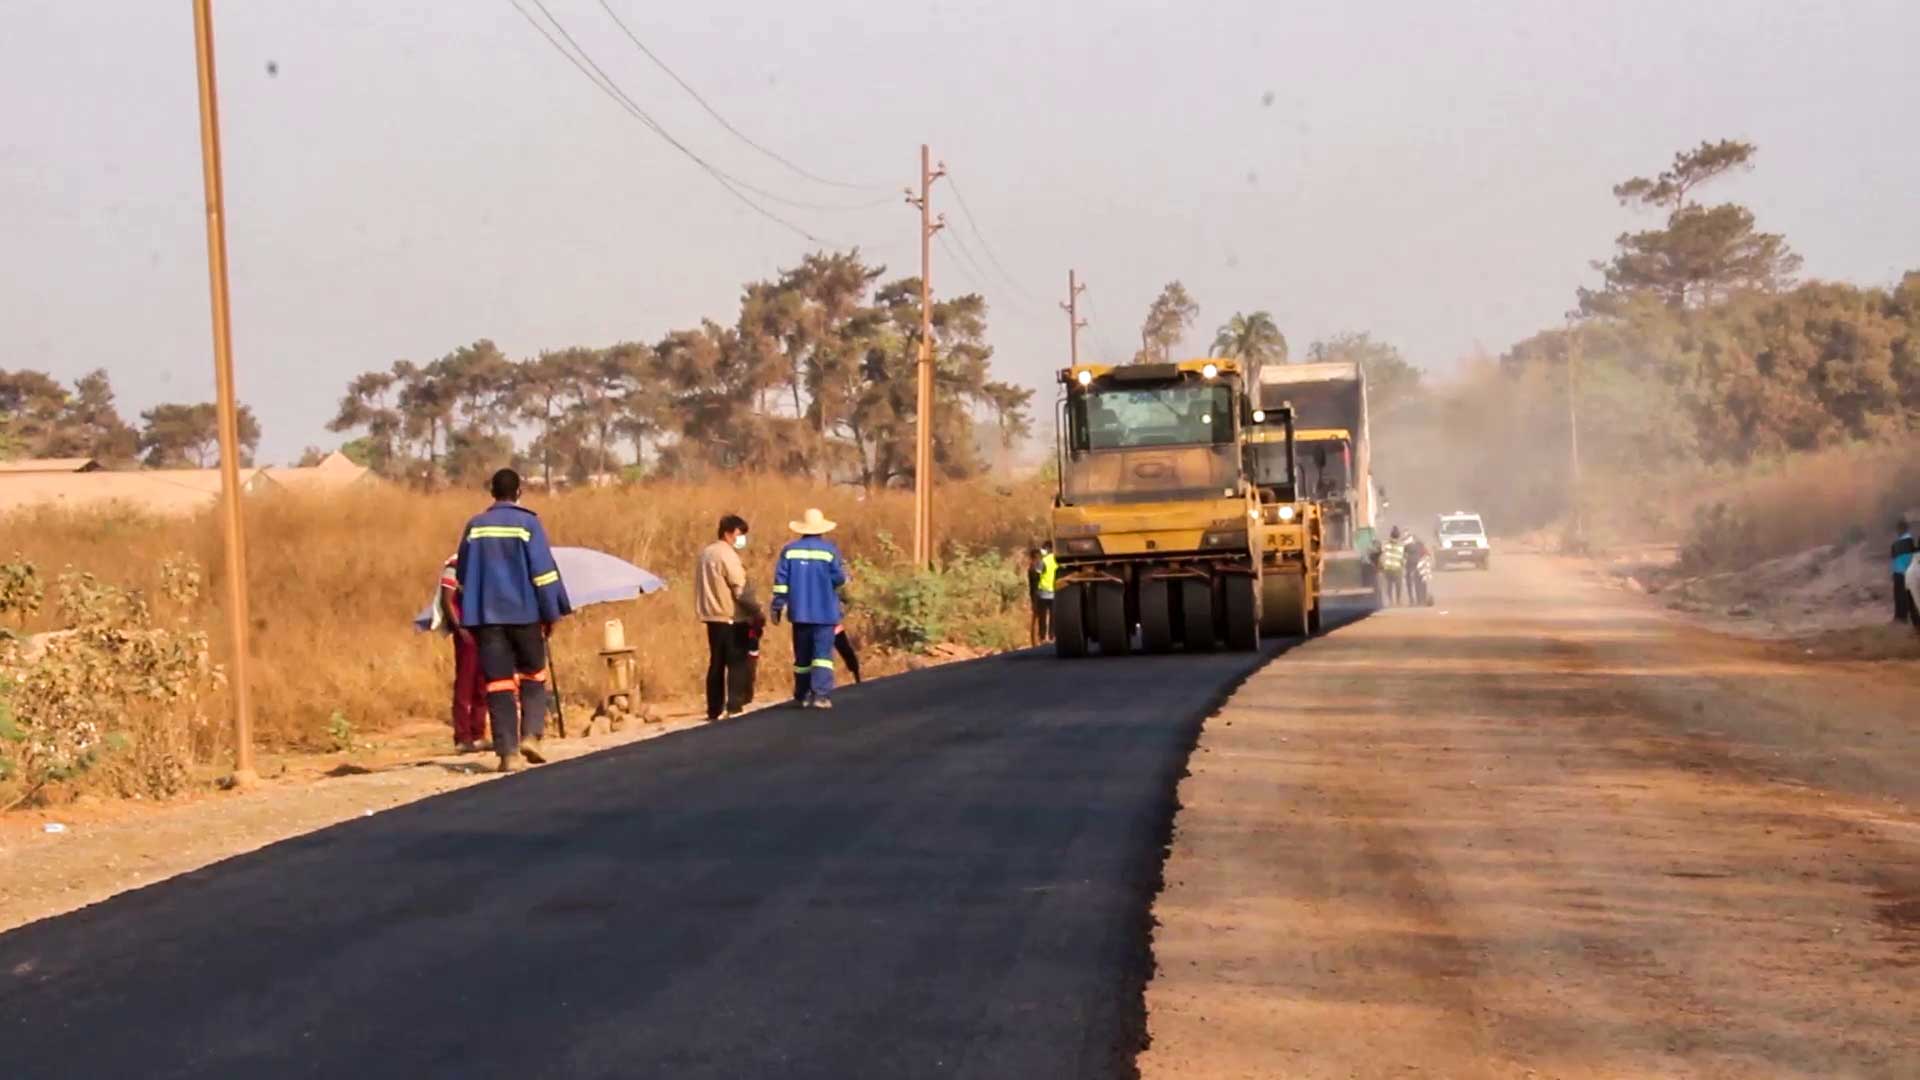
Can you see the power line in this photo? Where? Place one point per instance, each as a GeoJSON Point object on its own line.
{"type": "Point", "coordinates": [967, 211]}
{"type": "Point", "coordinates": [968, 266]}
{"type": "Point", "coordinates": [715, 113]}
{"type": "Point", "coordinates": [633, 106]}
{"type": "Point", "coordinates": [613, 91]}
{"type": "Point", "coordinates": [1099, 331]}
{"type": "Point", "coordinates": [982, 281]}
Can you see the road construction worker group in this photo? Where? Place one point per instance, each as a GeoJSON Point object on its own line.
{"type": "Point", "coordinates": [501, 593]}
{"type": "Point", "coordinates": [1402, 570]}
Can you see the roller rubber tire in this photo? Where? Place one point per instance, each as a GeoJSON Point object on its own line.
{"type": "Point", "coordinates": [1156, 616]}
{"type": "Point", "coordinates": [1070, 621]}
{"type": "Point", "coordinates": [1196, 615]}
{"type": "Point", "coordinates": [1243, 613]}
{"type": "Point", "coordinates": [1284, 608]}
{"type": "Point", "coordinates": [1110, 620]}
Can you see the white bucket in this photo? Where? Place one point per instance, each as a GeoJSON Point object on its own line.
{"type": "Point", "coordinates": [613, 636]}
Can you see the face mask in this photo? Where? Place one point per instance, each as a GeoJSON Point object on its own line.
{"type": "Point", "coordinates": [740, 542]}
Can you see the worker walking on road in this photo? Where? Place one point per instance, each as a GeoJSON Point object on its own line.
{"type": "Point", "coordinates": [1903, 551]}
{"type": "Point", "coordinates": [721, 603]}
{"type": "Point", "coordinates": [1418, 571]}
{"type": "Point", "coordinates": [806, 583]}
{"type": "Point", "coordinates": [1393, 563]}
{"type": "Point", "coordinates": [512, 595]}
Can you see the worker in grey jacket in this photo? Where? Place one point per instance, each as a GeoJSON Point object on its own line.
{"type": "Point", "coordinates": [722, 602]}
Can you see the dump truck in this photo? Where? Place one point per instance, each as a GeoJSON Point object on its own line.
{"type": "Point", "coordinates": [1157, 521]}
{"type": "Point", "coordinates": [1334, 454]}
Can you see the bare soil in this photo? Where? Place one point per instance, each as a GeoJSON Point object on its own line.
{"type": "Point", "coordinates": [1547, 828]}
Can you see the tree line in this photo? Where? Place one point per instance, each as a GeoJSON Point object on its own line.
{"type": "Point", "coordinates": [815, 376]}
{"type": "Point", "coordinates": [1256, 337]}
{"type": "Point", "coordinates": [1698, 347]}
{"type": "Point", "coordinates": [41, 417]}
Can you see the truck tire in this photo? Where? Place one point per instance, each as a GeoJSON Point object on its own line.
{"type": "Point", "coordinates": [1156, 615]}
{"type": "Point", "coordinates": [1196, 615]}
{"type": "Point", "coordinates": [1243, 612]}
{"type": "Point", "coordinates": [1110, 619]}
{"type": "Point", "coordinates": [1070, 621]}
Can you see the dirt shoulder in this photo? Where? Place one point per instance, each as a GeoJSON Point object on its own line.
{"type": "Point", "coordinates": [1546, 829]}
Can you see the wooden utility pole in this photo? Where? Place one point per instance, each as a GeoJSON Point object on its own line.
{"type": "Point", "coordinates": [1074, 321]}
{"type": "Point", "coordinates": [923, 415]}
{"type": "Point", "coordinates": [230, 519]}
{"type": "Point", "coordinates": [1573, 426]}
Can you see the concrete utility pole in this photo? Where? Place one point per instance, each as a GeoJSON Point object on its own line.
{"type": "Point", "coordinates": [1074, 322]}
{"type": "Point", "coordinates": [230, 519]}
{"type": "Point", "coordinates": [923, 416]}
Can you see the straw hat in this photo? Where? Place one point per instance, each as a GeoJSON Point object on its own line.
{"type": "Point", "coordinates": [812, 523]}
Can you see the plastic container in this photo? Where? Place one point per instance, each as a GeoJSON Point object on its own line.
{"type": "Point", "coordinates": [613, 636]}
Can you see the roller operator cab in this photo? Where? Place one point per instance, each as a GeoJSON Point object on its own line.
{"type": "Point", "coordinates": [1156, 522]}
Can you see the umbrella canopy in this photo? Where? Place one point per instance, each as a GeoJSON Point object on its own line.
{"type": "Point", "coordinates": [591, 577]}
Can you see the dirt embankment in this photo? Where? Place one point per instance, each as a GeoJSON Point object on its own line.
{"type": "Point", "coordinates": [1832, 601]}
{"type": "Point", "coordinates": [1546, 829]}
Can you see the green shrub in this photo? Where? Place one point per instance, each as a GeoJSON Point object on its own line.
{"type": "Point", "coordinates": [974, 599]}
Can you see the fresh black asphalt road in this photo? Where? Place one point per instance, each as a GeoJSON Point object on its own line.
{"type": "Point", "coordinates": [949, 875]}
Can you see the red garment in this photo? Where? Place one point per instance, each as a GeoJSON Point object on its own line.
{"type": "Point", "coordinates": [469, 681]}
{"type": "Point", "coordinates": [469, 691]}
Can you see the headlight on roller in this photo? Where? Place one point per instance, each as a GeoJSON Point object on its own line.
{"type": "Point", "coordinates": [1080, 545]}
{"type": "Point", "coordinates": [1285, 514]}
{"type": "Point", "coordinates": [1224, 539]}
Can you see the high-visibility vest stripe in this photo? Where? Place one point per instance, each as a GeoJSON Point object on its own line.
{"type": "Point", "coordinates": [1049, 570]}
{"type": "Point", "coordinates": [809, 555]}
{"type": "Point", "coordinates": [547, 578]}
{"type": "Point", "coordinates": [779, 590]}
{"type": "Point", "coordinates": [827, 664]}
{"type": "Point", "coordinates": [499, 532]}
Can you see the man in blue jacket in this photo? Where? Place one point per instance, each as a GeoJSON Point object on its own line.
{"type": "Point", "coordinates": [511, 596]}
{"type": "Point", "coordinates": [1903, 552]}
{"type": "Point", "coordinates": [806, 581]}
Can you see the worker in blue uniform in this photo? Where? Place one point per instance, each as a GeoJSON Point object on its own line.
{"type": "Point", "coordinates": [511, 596]}
{"type": "Point", "coordinates": [806, 582]}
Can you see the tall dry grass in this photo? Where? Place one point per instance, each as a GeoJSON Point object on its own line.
{"type": "Point", "coordinates": [1771, 508]}
{"type": "Point", "coordinates": [334, 581]}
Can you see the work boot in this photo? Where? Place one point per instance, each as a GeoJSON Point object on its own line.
{"type": "Point", "coordinates": [511, 764]}
{"type": "Point", "coordinates": [820, 703]}
{"type": "Point", "coordinates": [466, 748]}
{"type": "Point", "coordinates": [530, 749]}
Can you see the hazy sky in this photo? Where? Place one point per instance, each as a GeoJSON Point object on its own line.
{"type": "Point", "coordinates": [421, 174]}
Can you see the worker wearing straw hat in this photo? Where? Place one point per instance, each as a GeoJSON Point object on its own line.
{"type": "Point", "coordinates": [806, 580]}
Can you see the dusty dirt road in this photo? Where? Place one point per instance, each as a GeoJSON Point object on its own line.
{"type": "Point", "coordinates": [1546, 830]}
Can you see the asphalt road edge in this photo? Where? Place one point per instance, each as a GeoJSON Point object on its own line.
{"type": "Point", "coordinates": [1167, 812]}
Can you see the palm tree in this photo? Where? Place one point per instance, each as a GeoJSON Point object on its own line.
{"type": "Point", "coordinates": [1255, 338]}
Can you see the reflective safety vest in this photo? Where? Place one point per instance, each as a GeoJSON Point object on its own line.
{"type": "Point", "coordinates": [1049, 570]}
{"type": "Point", "coordinates": [1393, 557]}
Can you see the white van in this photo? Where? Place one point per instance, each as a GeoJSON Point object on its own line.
{"type": "Point", "coordinates": [1462, 539]}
